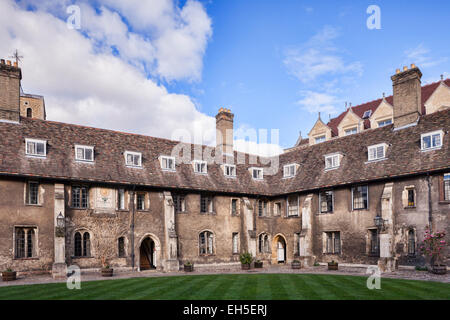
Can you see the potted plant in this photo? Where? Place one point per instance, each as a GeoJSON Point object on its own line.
{"type": "Point", "coordinates": [188, 266]}
{"type": "Point", "coordinates": [246, 259]}
{"type": "Point", "coordinates": [107, 271]}
{"type": "Point", "coordinates": [9, 275]}
{"type": "Point", "coordinates": [296, 264]}
{"type": "Point", "coordinates": [258, 264]}
{"type": "Point", "coordinates": [433, 246]}
{"type": "Point", "coordinates": [333, 265]}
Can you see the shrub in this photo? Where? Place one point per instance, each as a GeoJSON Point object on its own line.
{"type": "Point", "coordinates": [246, 258]}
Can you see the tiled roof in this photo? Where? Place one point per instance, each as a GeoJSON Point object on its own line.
{"type": "Point", "coordinates": [403, 158]}
{"type": "Point", "coordinates": [359, 110]}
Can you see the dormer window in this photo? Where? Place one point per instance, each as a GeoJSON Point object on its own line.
{"type": "Point", "coordinates": [332, 161]}
{"type": "Point", "coordinates": [432, 140]}
{"type": "Point", "coordinates": [384, 123]}
{"type": "Point", "coordinates": [377, 152]}
{"type": "Point", "coordinates": [351, 131]}
{"type": "Point", "coordinates": [133, 159]}
{"type": "Point", "coordinates": [167, 163]}
{"type": "Point", "coordinates": [36, 148]}
{"type": "Point", "coordinates": [367, 114]}
{"type": "Point", "coordinates": [320, 139]}
{"type": "Point", "coordinates": [84, 153]}
{"type": "Point", "coordinates": [200, 166]}
{"type": "Point", "coordinates": [229, 170]}
{"type": "Point", "coordinates": [289, 170]}
{"type": "Point", "coordinates": [257, 173]}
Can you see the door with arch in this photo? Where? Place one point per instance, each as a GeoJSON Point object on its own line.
{"type": "Point", "coordinates": [281, 250]}
{"type": "Point", "coordinates": [147, 254]}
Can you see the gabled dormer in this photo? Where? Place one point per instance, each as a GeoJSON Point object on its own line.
{"type": "Point", "coordinates": [439, 99]}
{"type": "Point", "coordinates": [350, 124]}
{"type": "Point", "coordinates": [319, 133]}
{"type": "Point", "coordinates": [383, 115]}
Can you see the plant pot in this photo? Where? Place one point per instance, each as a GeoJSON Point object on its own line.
{"type": "Point", "coordinates": [107, 272]}
{"type": "Point", "coordinates": [245, 266]}
{"type": "Point", "coordinates": [439, 269]}
{"type": "Point", "coordinates": [188, 268]}
{"type": "Point", "coordinates": [296, 265]}
{"type": "Point", "coordinates": [258, 264]}
{"type": "Point", "coordinates": [9, 275]}
{"type": "Point", "coordinates": [332, 266]}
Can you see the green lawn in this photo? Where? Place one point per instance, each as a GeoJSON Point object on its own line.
{"type": "Point", "coordinates": [237, 286]}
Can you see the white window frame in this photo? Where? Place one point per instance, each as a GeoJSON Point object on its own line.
{"type": "Point", "coordinates": [233, 170]}
{"type": "Point", "coordinates": [36, 141]}
{"type": "Point", "coordinates": [320, 139]}
{"type": "Point", "coordinates": [334, 164]}
{"type": "Point", "coordinates": [198, 164]}
{"type": "Point", "coordinates": [367, 114]}
{"type": "Point", "coordinates": [382, 123]}
{"type": "Point", "coordinates": [287, 170]}
{"type": "Point", "coordinates": [253, 169]}
{"type": "Point", "coordinates": [320, 201]}
{"type": "Point", "coordinates": [161, 160]}
{"type": "Point", "coordinates": [133, 154]}
{"type": "Point", "coordinates": [79, 146]}
{"type": "Point", "coordinates": [121, 199]}
{"type": "Point", "coordinates": [350, 131]}
{"type": "Point", "coordinates": [235, 242]}
{"type": "Point", "coordinates": [375, 147]}
{"type": "Point", "coordinates": [431, 134]}
{"type": "Point", "coordinates": [288, 211]}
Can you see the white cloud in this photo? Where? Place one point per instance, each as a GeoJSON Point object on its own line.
{"type": "Point", "coordinates": [85, 84]}
{"type": "Point", "coordinates": [421, 56]}
{"type": "Point", "coordinates": [314, 102]}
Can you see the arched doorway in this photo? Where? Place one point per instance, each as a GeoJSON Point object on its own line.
{"type": "Point", "coordinates": [147, 254]}
{"type": "Point", "coordinates": [279, 249]}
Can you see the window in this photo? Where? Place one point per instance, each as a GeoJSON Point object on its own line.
{"type": "Point", "coordinates": [206, 243]}
{"type": "Point", "coordinates": [333, 242]}
{"type": "Point", "coordinates": [29, 113]}
{"type": "Point", "coordinates": [229, 170]}
{"type": "Point", "coordinates": [133, 159]}
{"type": "Point", "coordinates": [332, 161]}
{"type": "Point", "coordinates": [326, 201]}
{"type": "Point", "coordinates": [25, 241]}
{"type": "Point", "coordinates": [121, 199]}
{"type": "Point", "coordinates": [297, 244]}
{"type": "Point", "coordinates": [374, 243]}
{"type": "Point", "coordinates": [262, 208]}
{"type": "Point", "coordinates": [33, 193]}
{"type": "Point", "coordinates": [411, 243]}
{"type": "Point", "coordinates": [179, 203]}
{"type": "Point", "coordinates": [84, 153]}
{"type": "Point", "coordinates": [367, 114]}
{"type": "Point", "coordinates": [289, 170]}
{"type": "Point", "coordinates": [411, 198]}
{"type": "Point", "coordinates": [446, 187]}
{"type": "Point", "coordinates": [37, 148]}
{"type": "Point", "coordinates": [121, 247]}
{"type": "Point", "coordinates": [206, 204]}
{"type": "Point", "coordinates": [292, 205]}
{"type": "Point", "coordinates": [263, 243]}
{"type": "Point", "coordinates": [235, 242]}
{"type": "Point", "coordinates": [377, 152]}
{"type": "Point", "coordinates": [82, 244]}
{"type": "Point", "coordinates": [320, 139]}
{"type": "Point", "coordinates": [200, 166]}
{"type": "Point", "coordinates": [168, 163]}
{"type": "Point", "coordinates": [140, 205]}
{"type": "Point", "coordinates": [234, 207]}
{"type": "Point", "coordinates": [384, 123]}
{"type": "Point", "coordinates": [257, 173]}
{"type": "Point", "coordinates": [432, 140]}
{"type": "Point", "coordinates": [360, 197]}
{"type": "Point", "coordinates": [351, 131]}
{"type": "Point", "coordinates": [79, 197]}
{"type": "Point", "coordinates": [277, 208]}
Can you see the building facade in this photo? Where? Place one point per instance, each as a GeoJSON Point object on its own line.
{"type": "Point", "coordinates": [71, 194]}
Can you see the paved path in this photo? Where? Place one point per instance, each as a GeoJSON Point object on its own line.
{"type": "Point", "coordinates": [355, 271]}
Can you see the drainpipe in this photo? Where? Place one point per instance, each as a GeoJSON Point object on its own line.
{"type": "Point", "coordinates": [132, 227]}
{"type": "Point", "coordinates": [430, 208]}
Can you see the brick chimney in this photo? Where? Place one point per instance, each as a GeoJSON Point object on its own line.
{"type": "Point", "coordinates": [407, 96]}
{"type": "Point", "coordinates": [10, 76]}
{"type": "Point", "coordinates": [224, 131]}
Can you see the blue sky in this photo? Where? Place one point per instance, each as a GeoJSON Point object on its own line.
{"type": "Point", "coordinates": [160, 66]}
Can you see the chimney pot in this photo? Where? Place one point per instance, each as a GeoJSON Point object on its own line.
{"type": "Point", "coordinates": [397, 71]}
{"type": "Point", "coordinates": [2, 61]}
{"type": "Point", "coordinates": [15, 64]}
{"type": "Point", "coordinates": [413, 65]}
{"type": "Point", "coordinates": [405, 68]}
{"type": "Point", "coordinates": [8, 62]}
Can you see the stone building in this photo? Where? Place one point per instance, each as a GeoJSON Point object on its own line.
{"type": "Point", "coordinates": [72, 194]}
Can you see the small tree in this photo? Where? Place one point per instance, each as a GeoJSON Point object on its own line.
{"type": "Point", "coordinates": [106, 240]}
{"type": "Point", "coordinates": [433, 245]}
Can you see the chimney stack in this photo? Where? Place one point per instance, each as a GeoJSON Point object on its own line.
{"type": "Point", "coordinates": [224, 131]}
{"type": "Point", "coordinates": [10, 77]}
{"type": "Point", "coordinates": [407, 96]}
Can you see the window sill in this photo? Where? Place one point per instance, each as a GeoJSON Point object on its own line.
{"type": "Point", "coordinates": [23, 259]}
{"type": "Point", "coordinates": [290, 217]}
{"type": "Point", "coordinates": [431, 149]}
{"type": "Point", "coordinates": [375, 160]}
{"type": "Point", "coordinates": [33, 205]}
{"type": "Point", "coordinates": [324, 213]}
{"type": "Point", "coordinates": [330, 169]}
{"type": "Point", "coordinates": [208, 213]}
{"type": "Point", "coordinates": [168, 170]}
{"type": "Point", "coordinates": [87, 257]}
{"type": "Point", "coordinates": [444, 202]}
{"type": "Point", "coordinates": [35, 156]}
{"type": "Point", "coordinates": [332, 254]}
{"type": "Point", "coordinates": [85, 161]}
{"type": "Point", "coordinates": [75, 208]}
{"type": "Point", "coordinates": [409, 207]}
{"type": "Point", "coordinates": [207, 255]}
